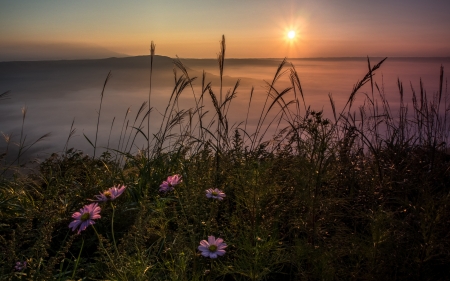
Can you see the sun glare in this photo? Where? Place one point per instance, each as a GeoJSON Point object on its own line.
{"type": "Point", "coordinates": [291, 34]}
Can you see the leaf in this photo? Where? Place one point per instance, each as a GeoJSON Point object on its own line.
{"type": "Point", "coordinates": [140, 131]}
{"type": "Point", "coordinates": [88, 140]}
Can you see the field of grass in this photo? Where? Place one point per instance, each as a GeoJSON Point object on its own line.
{"type": "Point", "coordinates": [362, 196]}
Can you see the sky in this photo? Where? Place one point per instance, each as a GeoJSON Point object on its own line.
{"type": "Point", "coordinates": [43, 29]}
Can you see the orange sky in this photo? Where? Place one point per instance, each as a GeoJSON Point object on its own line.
{"type": "Point", "coordinates": [253, 28]}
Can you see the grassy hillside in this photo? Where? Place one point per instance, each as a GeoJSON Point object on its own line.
{"type": "Point", "coordinates": [361, 196]}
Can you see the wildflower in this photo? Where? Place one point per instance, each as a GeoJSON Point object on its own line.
{"type": "Point", "coordinates": [170, 183]}
{"type": "Point", "coordinates": [20, 266]}
{"type": "Point", "coordinates": [110, 194]}
{"type": "Point", "coordinates": [85, 217]}
{"type": "Point", "coordinates": [213, 247]}
{"type": "Point", "coordinates": [215, 194]}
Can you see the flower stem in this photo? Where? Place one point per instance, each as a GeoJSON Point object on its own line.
{"type": "Point", "coordinates": [103, 247]}
{"type": "Point", "coordinates": [78, 260]}
{"type": "Point", "coordinates": [112, 229]}
{"type": "Point", "coordinates": [185, 217]}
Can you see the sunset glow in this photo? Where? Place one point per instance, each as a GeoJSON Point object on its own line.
{"type": "Point", "coordinates": [190, 29]}
{"type": "Point", "coordinates": [291, 34]}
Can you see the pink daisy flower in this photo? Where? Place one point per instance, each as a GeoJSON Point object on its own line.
{"type": "Point", "coordinates": [110, 194]}
{"type": "Point", "coordinates": [215, 194]}
{"type": "Point", "coordinates": [213, 247]}
{"type": "Point", "coordinates": [85, 217]}
{"type": "Point", "coordinates": [170, 183]}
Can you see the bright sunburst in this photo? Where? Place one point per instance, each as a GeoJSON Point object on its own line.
{"type": "Point", "coordinates": [291, 34]}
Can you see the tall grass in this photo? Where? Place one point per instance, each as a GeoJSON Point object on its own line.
{"type": "Point", "coordinates": [152, 54]}
{"type": "Point", "coordinates": [99, 111]}
{"type": "Point", "coordinates": [361, 197]}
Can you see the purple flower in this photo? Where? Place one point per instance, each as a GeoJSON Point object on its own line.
{"type": "Point", "coordinates": [170, 183]}
{"type": "Point", "coordinates": [215, 194]}
{"type": "Point", "coordinates": [20, 266]}
{"type": "Point", "coordinates": [110, 194]}
{"type": "Point", "coordinates": [213, 247]}
{"type": "Point", "coordinates": [85, 217]}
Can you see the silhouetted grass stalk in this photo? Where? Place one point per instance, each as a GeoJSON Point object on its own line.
{"type": "Point", "coordinates": [152, 54]}
{"type": "Point", "coordinates": [100, 110]}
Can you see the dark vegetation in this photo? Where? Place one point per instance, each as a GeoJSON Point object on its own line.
{"type": "Point", "coordinates": [361, 196]}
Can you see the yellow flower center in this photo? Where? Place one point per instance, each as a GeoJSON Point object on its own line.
{"type": "Point", "coordinates": [107, 193]}
{"type": "Point", "coordinates": [212, 248]}
{"type": "Point", "coordinates": [85, 217]}
{"type": "Point", "coordinates": [215, 193]}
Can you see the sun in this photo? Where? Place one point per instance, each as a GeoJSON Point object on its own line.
{"type": "Point", "coordinates": [291, 34]}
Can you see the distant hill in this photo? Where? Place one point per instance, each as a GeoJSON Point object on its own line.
{"type": "Point", "coordinates": [54, 51]}
{"type": "Point", "coordinates": [131, 72]}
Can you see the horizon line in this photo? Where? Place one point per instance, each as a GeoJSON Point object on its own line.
{"type": "Point", "coordinates": [248, 58]}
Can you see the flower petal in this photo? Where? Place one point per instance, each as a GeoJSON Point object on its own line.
{"type": "Point", "coordinates": [211, 240]}
{"type": "Point", "coordinates": [74, 224]}
{"type": "Point", "coordinates": [220, 252]}
{"type": "Point", "coordinates": [76, 215]}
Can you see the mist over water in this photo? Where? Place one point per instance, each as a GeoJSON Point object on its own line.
{"type": "Point", "coordinates": [58, 92]}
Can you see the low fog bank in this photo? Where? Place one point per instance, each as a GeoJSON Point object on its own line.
{"type": "Point", "coordinates": [57, 93]}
